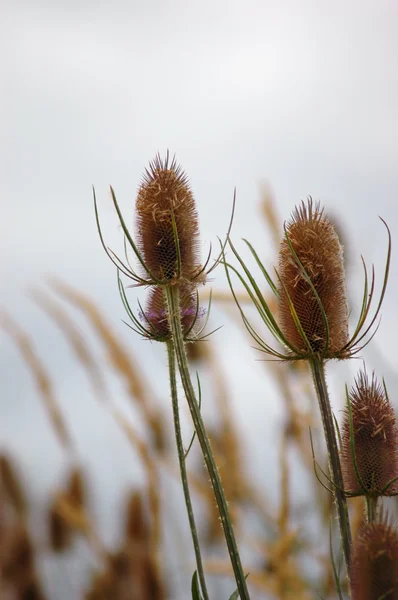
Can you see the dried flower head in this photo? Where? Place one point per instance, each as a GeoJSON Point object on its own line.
{"type": "Point", "coordinates": [370, 423]}
{"type": "Point", "coordinates": [167, 222]}
{"type": "Point", "coordinates": [374, 571]}
{"type": "Point", "coordinates": [167, 228]}
{"type": "Point", "coordinates": [310, 292]}
{"type": "Point", "coordinates": [312, 284]}
{"type": "Point", "coordinates": [167, 248]}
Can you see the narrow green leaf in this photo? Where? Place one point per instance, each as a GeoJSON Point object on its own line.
{"type": "Point", "coordinates": [263, 269]}
{"type": "Point", "coordinates": [366, 302]}
{"type": "Point", "coordinates": [107, 251]}
{"type": "Point", "coordinates": [263, 309]}
{"type": "Point", "coordinates": [196, 315]}
{"type": "Point", "coordinates": [383, 291]}
{"type": "Point", "coordinates": [200, 406]}
{"type": "Point", "coordinates": [203, 269]}
{"type": "Point", "coordinates": [129, 238]}
{"type": "Point", "coordinates": [224, 244]}
{"type": "Point", "coordinates": [336, 424]}
{"type": "Point", "coordinates": [206, 319]}
{"type": "Point", "coordinates": [335, 572]}
{"type": "Point", "coordinates": [317, 465]}
{"type": "Point", "coordinates": [295, 317]}
{"type": "Point", "coordinates": [196, 595]}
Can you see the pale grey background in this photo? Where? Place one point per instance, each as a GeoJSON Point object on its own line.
{"type": "Point", "coordinates": [302, 94]}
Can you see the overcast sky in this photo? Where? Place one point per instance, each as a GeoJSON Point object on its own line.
{"type": "Point", "coordinates": [303, 95]}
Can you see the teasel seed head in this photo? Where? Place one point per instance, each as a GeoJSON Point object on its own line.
{"type": "Point", "coordinates": [155, 317]}
{"type": "Point", "coordinates": [374, 571]}
{"type": "Point", "coordinates": [369, 422]}
{"type": "Point", "coordinates": [166, 250]}
{"type": "Point", "coordinates": [312, 280]}
{"type": "Point", "coordinates": [310, 293]}
{"type": "Point", "coordinates": [167, 223]}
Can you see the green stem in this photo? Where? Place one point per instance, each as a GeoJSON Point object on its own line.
{"type": "Point", "coordinates": [173, 304]}
{"type": "Point", "coordinates": [183, 471]}
{"type": "Point", "coordinates": [318, 372]}
{"type": "Point", "coordinates": [371, 508]}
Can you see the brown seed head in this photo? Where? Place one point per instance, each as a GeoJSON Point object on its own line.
{"type": "Point", "coordinates": [374, 571]}
{"type": "Point", "coordinates": [316, 244]}
{"type": "Point", "coordinates": [165, 191]}
{"type": "Point", "coordinates": [375, 439]}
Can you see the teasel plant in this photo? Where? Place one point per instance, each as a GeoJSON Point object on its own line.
{"type": "Point", "coordinates": [166, 249]}
{"type": "Point", "coordinates": [374, 572]}
{"type": "Point", "coordinates": [313, 317]}
{"type": "Point", "coordinates": [369, 459]}
{"type": "Point", "coordinates": [369, 443]}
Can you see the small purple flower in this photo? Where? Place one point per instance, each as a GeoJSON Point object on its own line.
{"type": "Point", "coordinates": [155, 316]}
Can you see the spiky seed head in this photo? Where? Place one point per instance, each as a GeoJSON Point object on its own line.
{"type": "Point", "coordinates": [165, 192]}
{"type": "Point", "coordinates": [374, 571]}
{"type": "Point", "coordinates": [375, 436]}
{"type": "Point", "coordinates": [317, 246]}
{"type": "Point", "coordinates": [156, 317]}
